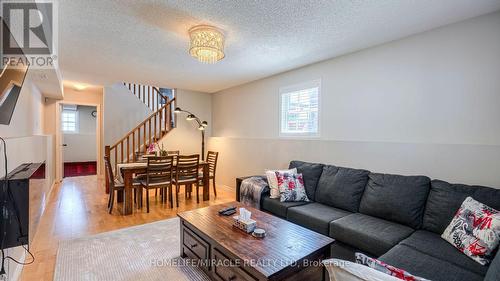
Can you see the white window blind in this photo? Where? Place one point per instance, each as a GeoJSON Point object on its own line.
{"type": "Point", "coordinates": [69, 121]}
{"type": "Point", "coordinates": [300, 110]}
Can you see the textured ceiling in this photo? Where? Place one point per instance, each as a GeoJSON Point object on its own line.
{"type": "Point", "coordinates": [106, 41]}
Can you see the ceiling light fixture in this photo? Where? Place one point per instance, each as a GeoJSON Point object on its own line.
{"type": "Point", "coordinates": [207, 43]}
{"type": "Point", "coordinates": [80, 87]}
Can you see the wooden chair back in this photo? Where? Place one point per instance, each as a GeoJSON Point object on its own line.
{"type": "Point", "coordinates": [173, 152]}
{"type": "Point", "coordinates": [187, 167]}
{"type": "Point", "coordinates": [212, 157]}
{"type": "Point", "coordinates": [159, 169]}
{"type": "Point", "coordinates": [139, 156]}
{"type": "Point", "coordinates": [109, 170]}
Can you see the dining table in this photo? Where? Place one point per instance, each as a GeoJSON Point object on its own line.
{"type": "Point", "coordinates": [128, 170]}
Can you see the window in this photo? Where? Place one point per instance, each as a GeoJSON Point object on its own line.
{"type": "Point", "coordinates": [69, 119]}
{"type": "Point", "coordinates": [299, 109]}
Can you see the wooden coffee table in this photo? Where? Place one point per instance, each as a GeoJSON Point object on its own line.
{"type": "Point", "coordinates": [288, 252]}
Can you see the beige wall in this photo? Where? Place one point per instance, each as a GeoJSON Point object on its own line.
{"type": "Point", "coordinates": [426, 104]}
{"type": "Point", "coordinates": [186, 137]}
{"type": "Point", "coordinates": [123, 111]}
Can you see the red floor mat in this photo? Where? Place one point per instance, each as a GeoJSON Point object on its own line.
{"type": "Point", "coordinates": [75, 169]}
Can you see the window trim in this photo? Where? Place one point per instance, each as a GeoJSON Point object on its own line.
{"type": "Point", "coordinates": [297, 87]}
{"type": "Point", "coordinates": [77, 124]}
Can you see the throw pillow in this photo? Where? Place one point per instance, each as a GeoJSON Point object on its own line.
{"type": "Point", "coordinates": [387, 269]}
{"type": "Point", "coordinates": [291, 187]}
{"type": "Point", "coordinates": [273, 181]}
{"type": "Point", "coordinates": [341, 270]}
{"type": "Point", "coordinates": [475, 230]}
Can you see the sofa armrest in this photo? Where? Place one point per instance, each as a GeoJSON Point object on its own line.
{"type": "Point", "coordinates": [493, 273]}
{"type": "Point", "coordinates": [238, 185]}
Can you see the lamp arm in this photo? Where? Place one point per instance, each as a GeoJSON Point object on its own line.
{"type": "Point", "coordinates": [196, 117]}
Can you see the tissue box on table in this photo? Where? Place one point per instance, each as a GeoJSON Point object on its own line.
{"type": "Point", "coordinates": [246, 225]}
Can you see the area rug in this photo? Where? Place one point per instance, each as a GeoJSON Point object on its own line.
{"type": "Point", "coordinates": [77, 169]}
{"type": "Point", "coordinates": [145, 252]}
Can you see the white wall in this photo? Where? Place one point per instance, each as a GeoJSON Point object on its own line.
{"type": "Point", "coordinates": [122, 112]}
{"type": "Point", "coordinates": [25, 144]}
{"type": "Point", "coordinates": [186, 137]}
{"type": "Point", "coordinates": [427, 104]}
{"type": "Point", "coordinates": [81, 146]}
{"type": "Point", "coordinates": [27, 117]}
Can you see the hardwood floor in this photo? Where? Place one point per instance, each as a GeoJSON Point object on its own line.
{"type": "Point", "coordinates": [78, 207]}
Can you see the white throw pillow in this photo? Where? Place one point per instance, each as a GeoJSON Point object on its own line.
{"type": "Point", "coordinates": [273, 181]}
{"type": "Point", "coordinates": [341, 270]}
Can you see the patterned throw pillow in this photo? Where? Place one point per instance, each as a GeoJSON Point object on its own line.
{"type": "Point", "coordinates": [385, 268]}
{"type": "Point", "coordinates": [273, 181]}
{"type": "Point", "coordinates": [475, 230]}
{"type": "Point", "coordinates": [291, 187]}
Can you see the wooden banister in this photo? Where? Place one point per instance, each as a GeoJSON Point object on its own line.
{"type": "Point", "coordinates": [152, 129]}
{"type": "Point", "coordinates": [149, 95]}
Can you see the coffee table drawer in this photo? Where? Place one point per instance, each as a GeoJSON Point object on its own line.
{"type": "Point", "coordinates": [226, 271]}
{"type": "Point", "coordinates": [195, 244]}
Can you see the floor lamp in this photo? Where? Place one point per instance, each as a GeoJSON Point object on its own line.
{"type": "Point", "coordinates": [201, 126]}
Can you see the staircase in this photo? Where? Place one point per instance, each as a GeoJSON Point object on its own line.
{"type": "Point", "coordinates": [149, 95]}
{"type": "Point", "coordinates": [152, 129]}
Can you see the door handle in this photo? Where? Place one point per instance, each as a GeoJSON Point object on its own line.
{"type": "Point", "coordinates": [65, 144]}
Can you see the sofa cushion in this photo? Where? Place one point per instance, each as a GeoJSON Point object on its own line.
{"type": "Point", "coordinates": [341, 187]}
{"type": "Point", "coordinates": [311, 173]}
{"type": "Point", "coordinates": [432, 244]}
{"type": "Point", "coordinates": [427, 266]}
{"type": "Point", "coordinates": [277, 208]}
{"type": "Point", "coordinates": [315, 216]}
{"type": "Point", "coordinates": [372, 235]}
{"type": "Point", "coordinates": [445, 199]}
{"type": "Point", "coordinates": [493, 273]}
{"type": "Point", "coordinates": [343, 251]}
{"type": "Point", "coordinates": [396, 198]}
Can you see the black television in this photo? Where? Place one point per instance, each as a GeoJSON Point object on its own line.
{"type": "Point", "coordinates": [12, 77]}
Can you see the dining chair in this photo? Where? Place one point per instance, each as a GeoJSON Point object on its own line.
{"type": "Point", "coordinates": [187, 174]}
{"type": "Point", "coordinates": [212, 157]}
{"type": "Point", "coordinates": [139, 156]}
{"type": "Point", "coordinates": [159, 175]}
{"type": "Point", "coordinates": [173, 153]}
{"type": "Point", "coordinates": [115, 185]}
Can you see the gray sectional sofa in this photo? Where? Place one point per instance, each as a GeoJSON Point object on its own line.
{"type": "Point", "coordinates": [397, 219]}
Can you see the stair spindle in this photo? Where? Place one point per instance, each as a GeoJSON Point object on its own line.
{"type": "Point", "coordinates": [128, 149]}
{"type": "Point", "coordinates": [144, 138]}
{"type": "Point", "coordinates": [155, 131]}
{"type": "Point", "coordinates": [116, 159]}
{"type": "Point", "coordinates": [121, 149]}
{"type": "Point", "coordinates": [160, 122]}
{"type": "Point", "coordinates": [133, 146]}
{"type": "Point", "coordinates": [149, 124]}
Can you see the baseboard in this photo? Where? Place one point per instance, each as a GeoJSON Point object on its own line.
{"type": "Point", "coordinates": [47, 199]}
{"type": "Point", "coordinates": [16, 275]}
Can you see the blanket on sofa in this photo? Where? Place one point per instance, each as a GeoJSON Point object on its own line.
{"type": "Point", "coordinates": [252, 189]}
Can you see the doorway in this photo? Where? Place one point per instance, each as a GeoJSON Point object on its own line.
{"type": "Point", "coordinates": [78, 132]}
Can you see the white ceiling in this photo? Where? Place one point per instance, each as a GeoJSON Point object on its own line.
{"type": "Point", "coordinates": [107, 41]}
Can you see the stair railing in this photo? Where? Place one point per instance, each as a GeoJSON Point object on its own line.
{"type": "Point", "coordinates": [149, 95]}
{"type": "Point", "coordinates": [156, 126]}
